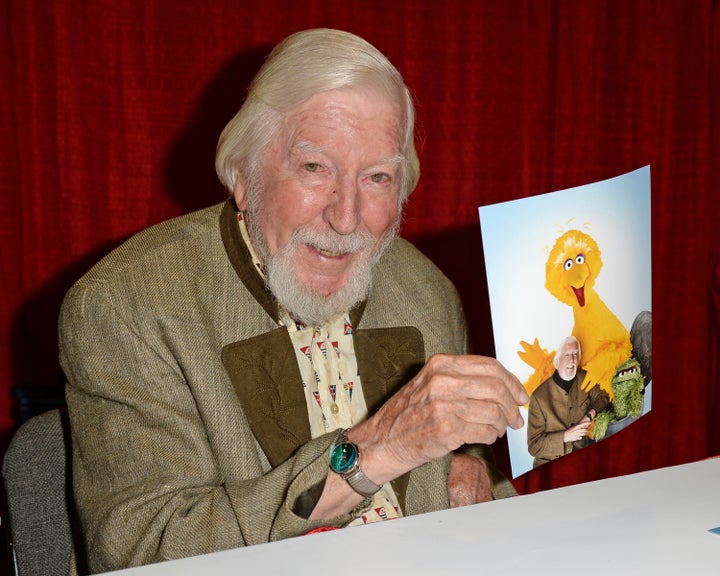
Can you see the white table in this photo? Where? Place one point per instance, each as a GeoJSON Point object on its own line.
{"type": "Point", "coordinates": [655, 522]}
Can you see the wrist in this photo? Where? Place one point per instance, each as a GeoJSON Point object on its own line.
{"type": "Point", "coordinates": [345, 461]}
{"type": "Point", "coordinates": [382, 459]}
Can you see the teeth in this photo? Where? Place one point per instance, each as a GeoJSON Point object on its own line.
{"type": "Point", "coordinates": [328, 253]}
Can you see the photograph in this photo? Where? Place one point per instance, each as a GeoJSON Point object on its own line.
{"type": "Point", "coordinates": [569, 281]}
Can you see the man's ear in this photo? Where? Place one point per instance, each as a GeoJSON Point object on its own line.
{"type": "Point", "coordinates": [240, 192]}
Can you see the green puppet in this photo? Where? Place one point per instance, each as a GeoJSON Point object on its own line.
{"type": "Point", "coordinates": [628, 385]}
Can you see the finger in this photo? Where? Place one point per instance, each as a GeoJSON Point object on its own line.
{"type": "Point", "coordinates": [482, 433]}
{"type": "Point", "coordinates": [491, 367]}
{"type": "Point", "coordinates": [461, 399]}
{"type": "Point", "coordinates": [496, 395]}
{"type": "Point", "coordinates": [477, 414]}
{"type": "Point", "coordinates": [452, 423]}
{"type": "Point", "coordinates": [456, 423]}
{"type": "Point", "coordinates": [477, 377]}
{"type": "Point", "coordinates": [460, 366]}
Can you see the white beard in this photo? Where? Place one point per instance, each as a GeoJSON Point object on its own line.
{"type": "Point", "coordinates": [304, 305]}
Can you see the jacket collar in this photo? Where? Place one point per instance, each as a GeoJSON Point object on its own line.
{"type": "Point", "coordinates": [241, 261]}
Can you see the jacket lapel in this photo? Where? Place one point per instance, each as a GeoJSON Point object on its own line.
{"type": "Point", "coordinates": [387, 358]}
{"type": "Point", "coordinates": [266, 378]}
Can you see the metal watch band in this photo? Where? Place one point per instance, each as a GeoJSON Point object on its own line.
{"type": "Point", "coordinates": [359, 482]}
{"type": "Point", "coordinates": [353, 475]}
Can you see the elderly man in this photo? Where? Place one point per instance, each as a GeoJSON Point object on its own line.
{"type": "Point", "coordinates": [560, 411]}
{"type": "Point", "coordinates": [282, 362]}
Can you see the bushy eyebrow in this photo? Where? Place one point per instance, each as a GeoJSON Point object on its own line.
{"type": "Point", "coordinates": [395, 159]}
{"type": "Point", "coordinates": [305, 146]}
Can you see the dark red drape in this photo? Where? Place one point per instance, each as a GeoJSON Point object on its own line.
{"type": "Point", "coordinates": [110, 112]}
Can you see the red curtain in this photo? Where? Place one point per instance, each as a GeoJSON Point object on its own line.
{"type": "Point", "coordinates": [110, 113]}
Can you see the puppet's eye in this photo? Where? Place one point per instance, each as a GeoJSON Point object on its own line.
{"type": "Point", "coordinates": [568, 264]}
{"type": "Point", "coordinates": [580, 259]}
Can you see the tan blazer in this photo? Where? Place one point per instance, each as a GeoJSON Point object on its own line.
{"type": "Point", "coordinates": [552, 411]}
{"type": "Point", "coordinates": [189, 426]}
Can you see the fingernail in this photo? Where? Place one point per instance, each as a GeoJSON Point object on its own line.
{"type": "Point", "coordinates": [524, 398]}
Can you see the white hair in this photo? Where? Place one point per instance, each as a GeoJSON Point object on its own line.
{"type": "Point", "coordinates": [304, 64]}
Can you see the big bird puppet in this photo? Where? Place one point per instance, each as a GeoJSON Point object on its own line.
{"type": "Point", "coordinates": [571, 269]}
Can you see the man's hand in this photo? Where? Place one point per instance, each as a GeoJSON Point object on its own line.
{"type": "Point", "coordinates": [578, 431]}
{"type": "Point", "coordinates": [454, 400]}
{"type": "Point", "coordinates": [469, 481]}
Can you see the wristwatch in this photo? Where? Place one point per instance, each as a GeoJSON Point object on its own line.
{"type": "Point", "coordinates": [345, 460]}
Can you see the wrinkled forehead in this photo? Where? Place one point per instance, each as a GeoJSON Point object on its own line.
{"type": "Point", "coordinates": [352, 116]}
{"type": "Point", "coordinates": [569, 348]}
{"type": "Point", "coordinates": [356, 104]}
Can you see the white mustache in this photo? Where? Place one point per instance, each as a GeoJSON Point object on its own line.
{"type": "Point", "coordinates": [332, 242]}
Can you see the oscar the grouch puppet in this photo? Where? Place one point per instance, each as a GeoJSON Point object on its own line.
{"type": "Point", "coordinates": [628, 385]}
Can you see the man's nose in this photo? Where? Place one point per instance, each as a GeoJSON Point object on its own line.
{"type": "Point", "coordinates": [343, 209]}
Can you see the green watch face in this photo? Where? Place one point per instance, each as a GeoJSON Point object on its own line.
{"type": "Point", "coordinates": [343, 457]}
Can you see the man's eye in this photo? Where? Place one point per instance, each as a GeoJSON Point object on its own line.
{"type": "Point", "coordinates": [311, 166]}
{"type": "Point", "coordinates": [379, 178]}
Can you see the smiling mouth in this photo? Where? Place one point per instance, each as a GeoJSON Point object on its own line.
{"type": "Point", "coordinates": [328, 253]}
